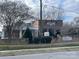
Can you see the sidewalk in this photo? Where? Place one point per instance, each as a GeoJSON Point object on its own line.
{"type": "Point", "coordinates": [38, 51]}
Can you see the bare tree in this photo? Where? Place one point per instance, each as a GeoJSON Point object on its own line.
{"type": "Point", "coordinates": [76, 21]}
{"type": "Point", "coordinates": [66, 27]}
{"type": "Point", "coordinates": [12, 12]}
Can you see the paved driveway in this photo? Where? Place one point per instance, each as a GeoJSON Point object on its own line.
{"type": "Point", "coordinates": [57, 55]}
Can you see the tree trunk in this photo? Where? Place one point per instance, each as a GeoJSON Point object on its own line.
{"type": "Point", "coordinates": [9, 32]}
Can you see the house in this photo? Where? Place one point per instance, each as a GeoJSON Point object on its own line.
{"type": "Point", "coordinates": [18, 30]}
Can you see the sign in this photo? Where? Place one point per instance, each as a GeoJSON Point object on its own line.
{"type": "Point", "coordinates": [46, 33]}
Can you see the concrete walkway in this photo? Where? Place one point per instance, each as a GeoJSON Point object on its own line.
{"type": "Point", "coordinates": [38, 51]}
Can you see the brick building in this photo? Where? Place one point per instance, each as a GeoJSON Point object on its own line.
{"type": "Point", "coordinates": [43, 25]}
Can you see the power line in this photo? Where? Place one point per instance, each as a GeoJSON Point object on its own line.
{"type": "Point", "coordinates": [63, 9]}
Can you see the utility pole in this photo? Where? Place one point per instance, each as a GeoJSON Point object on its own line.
{"type": "Point", "coordinates": [40, 23]}
{"type": "Point", "coordinates": [40, 9]}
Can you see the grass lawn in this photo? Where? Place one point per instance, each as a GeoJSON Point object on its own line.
{"type": "Point", "coordinates": [38, 46]}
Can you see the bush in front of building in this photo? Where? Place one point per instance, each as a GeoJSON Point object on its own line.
{"type": "Point", "coordinates": [41, 40]}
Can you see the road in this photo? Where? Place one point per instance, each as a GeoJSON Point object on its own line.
{"type": "Point", "coordinates": [57, 55]}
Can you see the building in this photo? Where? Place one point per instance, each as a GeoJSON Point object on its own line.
{"type": "Point", "coordinates": [43, 25]}
{"type": "Point", "coordinates": [37, 26]}
{"type": "Point", "coordinates": [17, 31]}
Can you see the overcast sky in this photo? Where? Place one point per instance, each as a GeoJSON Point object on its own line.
{"type": "Point", "coordinates": [71, 7]}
